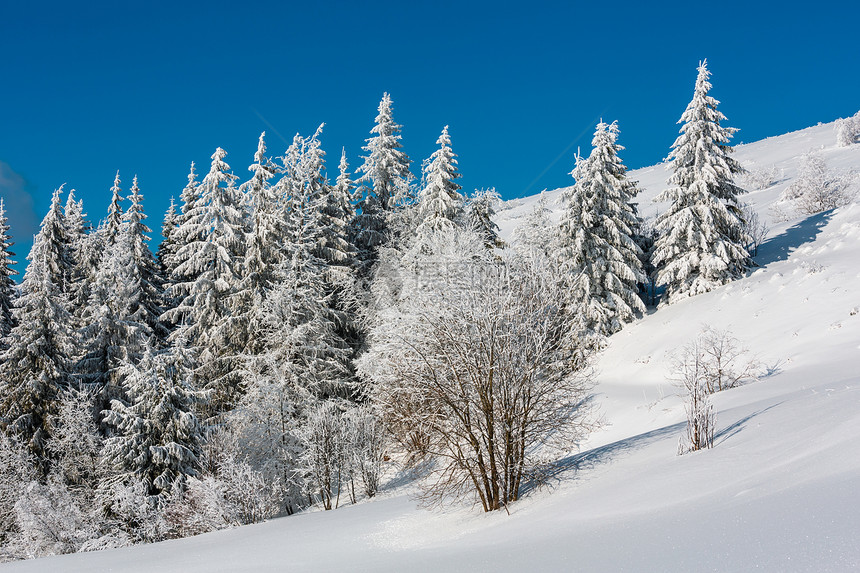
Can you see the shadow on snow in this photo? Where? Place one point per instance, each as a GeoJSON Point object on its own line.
{"type": "Point", "coordinates": [779, 248]}
{"type": "Point", "coordinates": [555, 472]}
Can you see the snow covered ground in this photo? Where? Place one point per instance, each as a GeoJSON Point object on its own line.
{"type": "Point", "coordinates": [780, 491]}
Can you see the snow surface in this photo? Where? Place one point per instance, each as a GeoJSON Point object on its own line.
{"type": "Point", "coordinates": [780, 491]}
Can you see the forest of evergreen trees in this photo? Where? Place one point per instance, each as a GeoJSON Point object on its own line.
{"type": "Point", "coordinates": [296, 334]}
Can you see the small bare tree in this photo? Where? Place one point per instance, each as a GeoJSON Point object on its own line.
{"type": "Point", "coordinates": [848, 130]}
{"type": "Point", "coordinates": [817, 188]}
{"type": "Point", "coordinates": [755, 227]}
{"type": "Point", "coordinates": [690, 372]}
{"type": "Point", "coordinates": [760, 177]}
{"type": "Point", "coordinates": [727, 362]}
{"type": "Point", "coordinates": [473, 355]}
{"type": "Point", "coordinates": [365, 443]}
{"type": "Point", "coordinates": [714, 361]}
{"type": "Point", "coordinates": [323, 459]}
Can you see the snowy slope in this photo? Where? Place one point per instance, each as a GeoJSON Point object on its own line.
{"type": "Point", "coordinates": [779, 492]}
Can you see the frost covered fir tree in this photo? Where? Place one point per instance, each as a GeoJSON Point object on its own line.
{"type": "Point", "coordinates": [701, 234]}
{"type": "Point", "coordinates": [480, 211]}
{"type": "Point", "coordinates": [209, 266]}
{"type": "Point", "coordinates": [157, 438]}
{"type": "Point", "coordinates": [598, 258]}
{"type": "Point", "coordinates": [339, 253]}
{"type": "Point", "coordinates": [263, 251]}
{"type": "Point", "coordinates": [385, 181]}
{"type": "Point", "coordinates": [167, 247]}
{"type": "Point", "coordinates": [35, 366]}
{"type": "Point", "coordinates": [440, 204]}
{"type": "Point", "coordinates": [114, 329]}
{"type": "Point", "coordinates": [77, 228]}
{"type": "Point", "coordinates": [337, 249]}
{"type": "Point", "coordinates": [7, 285]}
{"type": "Point", "coordinates": [147, 304]}
{"type": "Point", "coordinates": [187, 232]}
{"type": "Point", "coordinates": [114, 218]}
{"type": "Point", "coordinates": [263, 247]}
{"type": "Point", "coordinates": [301, 303]}
{"type": "Point", "coordinates": [538, 230]}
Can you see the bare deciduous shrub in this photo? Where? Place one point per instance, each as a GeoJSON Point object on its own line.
{"type": "Point", "coordinates": [477, 362]}
{"type": "Point", "coordinates": [756, 178]}
{"type": "Point", "coordinates": [690, 372]}
{"type": "Point", "coordinates": [727, 362]}
{"type": "Point", "coordinates": [817, 188]}
{"type": "Point", "coordinates": [714, 361]}
{"type": "Point", "coordinates": [755, 227]}
{"type": "Point", "coordinates": [848, 130]}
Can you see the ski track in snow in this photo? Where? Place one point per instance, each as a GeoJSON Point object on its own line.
{"type": "Point", "coordinates": [780, 491]}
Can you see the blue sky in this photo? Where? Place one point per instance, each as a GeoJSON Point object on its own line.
{"type": "Point", "coordinates": [145, 88]}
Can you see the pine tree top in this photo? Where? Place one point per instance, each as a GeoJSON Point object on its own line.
{"type": "Point", "coordinates": [115, 215]}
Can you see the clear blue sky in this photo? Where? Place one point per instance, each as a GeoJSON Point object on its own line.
{"type": "Point", "coordinates": [89, 88]}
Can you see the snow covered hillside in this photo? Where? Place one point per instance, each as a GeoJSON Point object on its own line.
{"type": "Point", "coordinates": [780, 491]}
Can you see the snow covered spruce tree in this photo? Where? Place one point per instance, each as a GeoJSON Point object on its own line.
{"type": "Point", "coordinates": [597, 256]}
{"type": "Point", "coordinates": [207, 276]}
{"type": "Point", "coordinates": [147, 305]}
{"type": "Point", "coordinates": [167, 247]}
{"type": "Point", "coordinates": [157, 438]}
{"type": "Point", "coordinates": [258, 270]}
{"type": "Point", "coordinates": [77, 228]}
{"type": "Point", "coordinates": [537, 232]}
{"type": "Point", "coordinates": [385, 180]}
{"type": "Point", "coordinates": [338, 253]}
{"type": "Point", "coordinates": [35, 366]}
{"type": "Point", "coordinates": [469, 368]}
{"type": "Point", "coordinates": [114, 329]}
{"type": "Point", "coordinates": [440, 204]}
{"type": "Point", "coordinates": [186, 232]}
{"type": "Point", "coordinates": [480, 210]}
{"type": "Point", "coordinates": [114, 218]}
{"type": "Point", "coordinates": [7, 284]}
{"type": "Point", "coordinates": [264, 242]}
{"type": "Point", "coordinates": [302, 325]}
{"type": "Point", "coordinates": [701, 234]}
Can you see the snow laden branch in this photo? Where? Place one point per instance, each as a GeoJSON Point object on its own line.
{"type": "Point", "coordinates": [469, 367]}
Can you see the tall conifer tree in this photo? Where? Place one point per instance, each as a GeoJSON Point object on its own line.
{"type": "Point", "coordinates": [701, 234]}
{"type": "Point", "coordinates": [7, 284]}
{"type": "Point", "coordinates": [598, 258]}
{"type": "Point", "coordinates": [385, 180]}
{"type": "Point", "coordinates": [36, 364]}
{"type": "Point", "coordinates": [209, 264]}
{"type": "Point", "coordinates": [440, 203]}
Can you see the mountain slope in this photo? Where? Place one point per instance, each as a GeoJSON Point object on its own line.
{"type": "Point", "coordinates": [779, 492]}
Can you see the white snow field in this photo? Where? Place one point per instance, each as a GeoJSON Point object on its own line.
{"type": "Point", "coordinates": [780, 491]}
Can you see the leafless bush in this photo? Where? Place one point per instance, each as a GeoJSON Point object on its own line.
{"type": "Point", "coordinates": [480, 373]}
{"type": "Point", "coordinates": [755, 227]}
{"type": "Point", "coordinates": [848, 130]}
{"type": "Point", "coordinates": [690, 372]}
{"type": "Point", "coordinates": [760, 177]}
{"type": "Point", "coordinates": [714, 361]}
{"type": "Point", "coordinates": [727, 363]}
{"type": "Point", "coordinates": [324, 460]}
{"type": "Point", "coordinates": [817, 188]}
{"type": "Point", "coordinates": [365, 448]}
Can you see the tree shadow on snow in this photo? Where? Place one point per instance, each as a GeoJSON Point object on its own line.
{"type": "Point", "coordinates": [554, 472]}
{"type": "Point", "coordinates": [780, 247]}
{"type": "Point", "coordinates": [731, 430]}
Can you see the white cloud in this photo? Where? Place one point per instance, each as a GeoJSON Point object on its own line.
{"type": "Point", "coordinates": [15, 191]}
